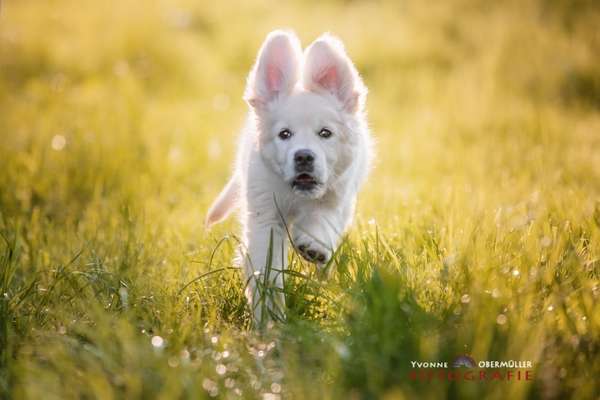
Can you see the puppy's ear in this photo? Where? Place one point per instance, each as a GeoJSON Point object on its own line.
{"type": "Point", "coordinates": [328, 68]}
{"type": "Point", "coordinates": [277, 69]}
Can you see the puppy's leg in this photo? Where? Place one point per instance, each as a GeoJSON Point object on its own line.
{"type": "Point", "coordinates": [317, 235]}
{"type": "Point", "coordinates": [264, 261]}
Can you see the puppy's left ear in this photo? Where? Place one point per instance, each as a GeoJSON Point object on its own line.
{"type": "Point", "coordinates": [328, 68]}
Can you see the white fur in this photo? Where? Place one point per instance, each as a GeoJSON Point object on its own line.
{"type": "Point", "coordinates": [303, 93]}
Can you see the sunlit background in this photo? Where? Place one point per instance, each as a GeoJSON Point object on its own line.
{"type": "Point", "coordinates": [478, 232]}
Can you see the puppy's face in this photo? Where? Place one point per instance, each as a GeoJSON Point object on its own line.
{"type": "Point", "coordinates": [306, 107]}
{"type": "Point", "coordinates": [303, 138]}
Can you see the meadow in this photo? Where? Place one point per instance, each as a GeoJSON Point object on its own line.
{"type": "Point", "coordinates": [477, 234]}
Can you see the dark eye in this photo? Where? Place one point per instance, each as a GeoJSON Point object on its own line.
{"type": "Point", "coordinates": [325, 133]}
{"type": "Point", "coordinates": [285, 134]}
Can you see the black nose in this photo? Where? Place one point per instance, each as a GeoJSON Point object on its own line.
{"type": "Point", "coordinates": [304, 158]}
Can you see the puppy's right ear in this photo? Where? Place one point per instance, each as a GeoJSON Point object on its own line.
{"type": "Point", "coordinates": [276, 71]}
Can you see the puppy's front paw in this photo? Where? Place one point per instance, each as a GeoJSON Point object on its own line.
{"type": "Point", "coordinates": [312, 250]}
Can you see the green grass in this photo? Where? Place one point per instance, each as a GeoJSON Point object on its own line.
{"type": "Point", "coordinates": [478, 232]}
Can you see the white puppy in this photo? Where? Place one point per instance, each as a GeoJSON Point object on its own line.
{"type": "Point", "coordinates": [303, 155]}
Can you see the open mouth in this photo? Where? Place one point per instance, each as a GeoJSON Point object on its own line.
{"type": "Point", "coordinates": [304, 181]}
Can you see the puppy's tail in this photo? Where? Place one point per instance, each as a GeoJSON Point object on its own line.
{"type": "Point", "coordinates": [224, 203]}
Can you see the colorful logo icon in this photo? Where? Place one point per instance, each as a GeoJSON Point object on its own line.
{"type": "Point", "coordinates": [464, 361]}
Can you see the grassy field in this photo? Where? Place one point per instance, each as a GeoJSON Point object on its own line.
{"type": "Point", "coordinates": [478, 232]}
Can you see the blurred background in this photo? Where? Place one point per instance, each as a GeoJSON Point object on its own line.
{"type": "Point", "coordinates": [118, 122]}
{"type": "Point", "coordinates": [95, 97]}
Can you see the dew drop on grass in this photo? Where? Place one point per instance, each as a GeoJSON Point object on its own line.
{"type": "Point", "coordinates": [208, 384]}
{"type": "Point", "coordinates": [501, 319]}
{"type": "Point", "coordinates": [516, 273]}
{"type": "Point", "coordinates": [275, 387]}
{"type": "Point", "coordinates": [550, 308]}
{"type": "Point", "coordinates": [221, 369]}
{"type": "Point", "coordinates": [225, 354]}
{"type": "Point", "coordinates": [157, 341]}
{"type": "Point", "coordinates": [278, 375]}
{"type": "Point", "coordinates": [260, 354]}
{"type": "Point", "coordinates": [214, 339]}
{"type": "Point", "coordinates": [58, 142]}
{"type": "Point", "coordinates": [465, 299]}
